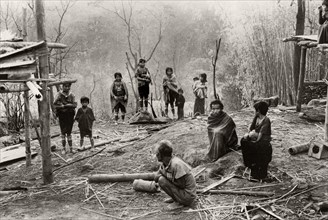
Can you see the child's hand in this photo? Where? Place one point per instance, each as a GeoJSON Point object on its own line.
{"type": "Point", "coordinates": [125, 98]}
{"type": "Point", "coordinates": [115, 97]}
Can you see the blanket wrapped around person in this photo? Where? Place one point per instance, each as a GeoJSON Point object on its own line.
{"type": "Point", "coordinates": [222, 135]}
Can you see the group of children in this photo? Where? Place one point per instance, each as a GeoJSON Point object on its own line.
{"type": "Point", "coordinates": [65, 105]}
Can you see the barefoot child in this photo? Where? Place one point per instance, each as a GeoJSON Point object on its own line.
{"type": "Point", "coordinates": [118, 96]}
{"type": "Point", "coordinates": [65, 110]}
{"type": "Point", "coordinates": [143, 77]}
{"type": "Point", "coordinates": [170, 87]}
{"type": "Point", "coordinates": [85, 119]}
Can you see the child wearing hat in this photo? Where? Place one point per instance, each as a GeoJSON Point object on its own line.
{"type": "Point", "coordinates": [119, 96]}
{"type": "Point", "coordinates": [85, 119]}
{"type": "Point", "coordinates": [65, 110]}
{"type": "Point", "coordinates": [143, 77]}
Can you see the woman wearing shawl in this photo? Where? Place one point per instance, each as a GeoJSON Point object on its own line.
{"type": "Point", "coordinates": [170, 87]}
{"type": "Point", "coordinates": [323, 21]}
{"type": "Point", "coordinates": [200, 91]}
{"type": "Point", "coordinates": [221, 132]}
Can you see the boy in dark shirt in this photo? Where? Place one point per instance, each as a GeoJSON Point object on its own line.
{"type": "Point", "coordinates": [180, 104]}
{"type": "Point", "coordinates": [65, 110]}
{"type": "Point", "coordinates": [119, 96]}
{"type": "Point", "coordinates": [85, 119]}
{"type": "Point", "coordinates": [143, 77]}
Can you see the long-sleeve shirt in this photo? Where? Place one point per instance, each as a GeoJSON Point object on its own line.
{"type": "Point", "coordinates": [63, 99]}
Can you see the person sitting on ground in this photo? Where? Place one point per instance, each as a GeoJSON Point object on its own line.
{"type": "Point", "coordinates": [323, 21]}
{"type": "Point", "coordinates": [255, 145]}
{"type": "Point", "coordinates": [65, 110]}
{"type": "Point", "coordinates": [170, 87]}
{"type": "Point", "coordinates": [144, 79]}
{"type": "Point", "coordinates": [118, 96]}
{"type": "Point", "coordinates": [180, 104]}
{"type": "Point", "coordinates": [200, 91]}
{"type": "Point", "coordinates": [85, 119]}
{"type": "Point", "coordinates": [221, 132]}
{"type": "Point", "coordinates": [175, 178]}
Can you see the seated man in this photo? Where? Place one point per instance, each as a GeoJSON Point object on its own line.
{"type": "Point", "coordinates": [221, 132]}
{"type": "Point", "coordinates": [175, 178]}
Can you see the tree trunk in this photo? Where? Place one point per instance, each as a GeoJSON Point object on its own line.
{"type": "Point", "coordinates": [300, 20]}
{"type": "Point", "coordinates": [44, 106]}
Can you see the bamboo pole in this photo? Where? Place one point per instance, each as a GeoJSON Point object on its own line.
{"type": "Point", "coordinates": [27, 129]}
{"type": "Point", "coordinates": [27, 105]}
{"type": "Point", "coordinates": [125, 177]}
{"type": "Point", "coordinates": [44, 106]}
{"type": "Point", "coordinates": [301, 79]}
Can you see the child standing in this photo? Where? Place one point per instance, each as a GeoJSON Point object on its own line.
{"type": "Point", "coordinates": [119, 96]}
{"type": "Point", "coordinates": [180, 104]}
{"type": "Point", "coordinates": [170, 87]}
{"type": "Point", "coordinates": [200, 91]}
{"type": "Point", "coordinates": [143, 77]}
{"type": "Point", "coordinates": [85, 119]}
{"type": "Point", "coordinates": [65, 110]}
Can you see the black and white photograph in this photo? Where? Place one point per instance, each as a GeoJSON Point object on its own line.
{"type": "Point", "coordinates": [164, 109]}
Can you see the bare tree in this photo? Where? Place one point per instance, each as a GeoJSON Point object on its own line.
{"type": "Point", "coordinates": [134, 40]}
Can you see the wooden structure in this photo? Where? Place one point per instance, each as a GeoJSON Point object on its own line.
{"type": "Point", "coordinates": [307, 42]}
{"type": "Point", "coordinates": [27, 65]}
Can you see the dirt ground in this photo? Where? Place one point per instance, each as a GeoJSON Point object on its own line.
{"type": "Point", "coordinates": [291, 178]}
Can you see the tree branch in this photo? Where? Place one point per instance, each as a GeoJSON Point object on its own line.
{"type": "Point", "coordinates": [158, 41]}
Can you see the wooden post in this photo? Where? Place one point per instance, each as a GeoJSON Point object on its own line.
{"type": "Point", "coordinates": [27, 129]}
{"type": "Point", "coordinates": [301, 79]}
{"type": "Point", "coordinates": [44, 107]}
{"type": "Point", "coordinates": [27, 105]}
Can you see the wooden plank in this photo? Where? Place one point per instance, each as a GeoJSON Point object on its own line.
{"type": "Point", "coordinates": [23, 50]}
{"type": "Point", "coordinates": [17, 73]}
{"type": "Point", "coordinates": [220, 182]}
{"type": "Point", "coordinates": [13, 153]}
{"type": "Point", "coordinates": [21, 44]}
{"type": "Point", "coordinates": [17, 64]}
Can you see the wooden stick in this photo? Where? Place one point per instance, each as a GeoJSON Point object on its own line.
{"type": "Point", "coordinates": [96, 196]}
{"type": "Point", "coordinates": [60, 157]}
{"type": "Point", "coordinates": [199, 172]}
{"type": "Point", "coordinates": [256, 187]}
{"type": "Point", "coordinates": [4, 193]}
{"type": "Point", "coordinates": [27, 129]}
{"type": "Point", "coordinates": [269, 212]}
{"type": "Point", "coordinates": [143, 215]}
{"type": "Point", "coordinates": [78, 160]}
{"type": "Point", "coordinates": [99, 192]}
{"type": "Point", "coordinates": [249, 193]}
{"type": "Point", "coordinates": [100, 144]}
{"type": "Point", "coordinates": [211, 208]}
{"type": "Point", "coordinates": [103, 214]}
{"type": "Point", "coordinates": [220, 182]}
